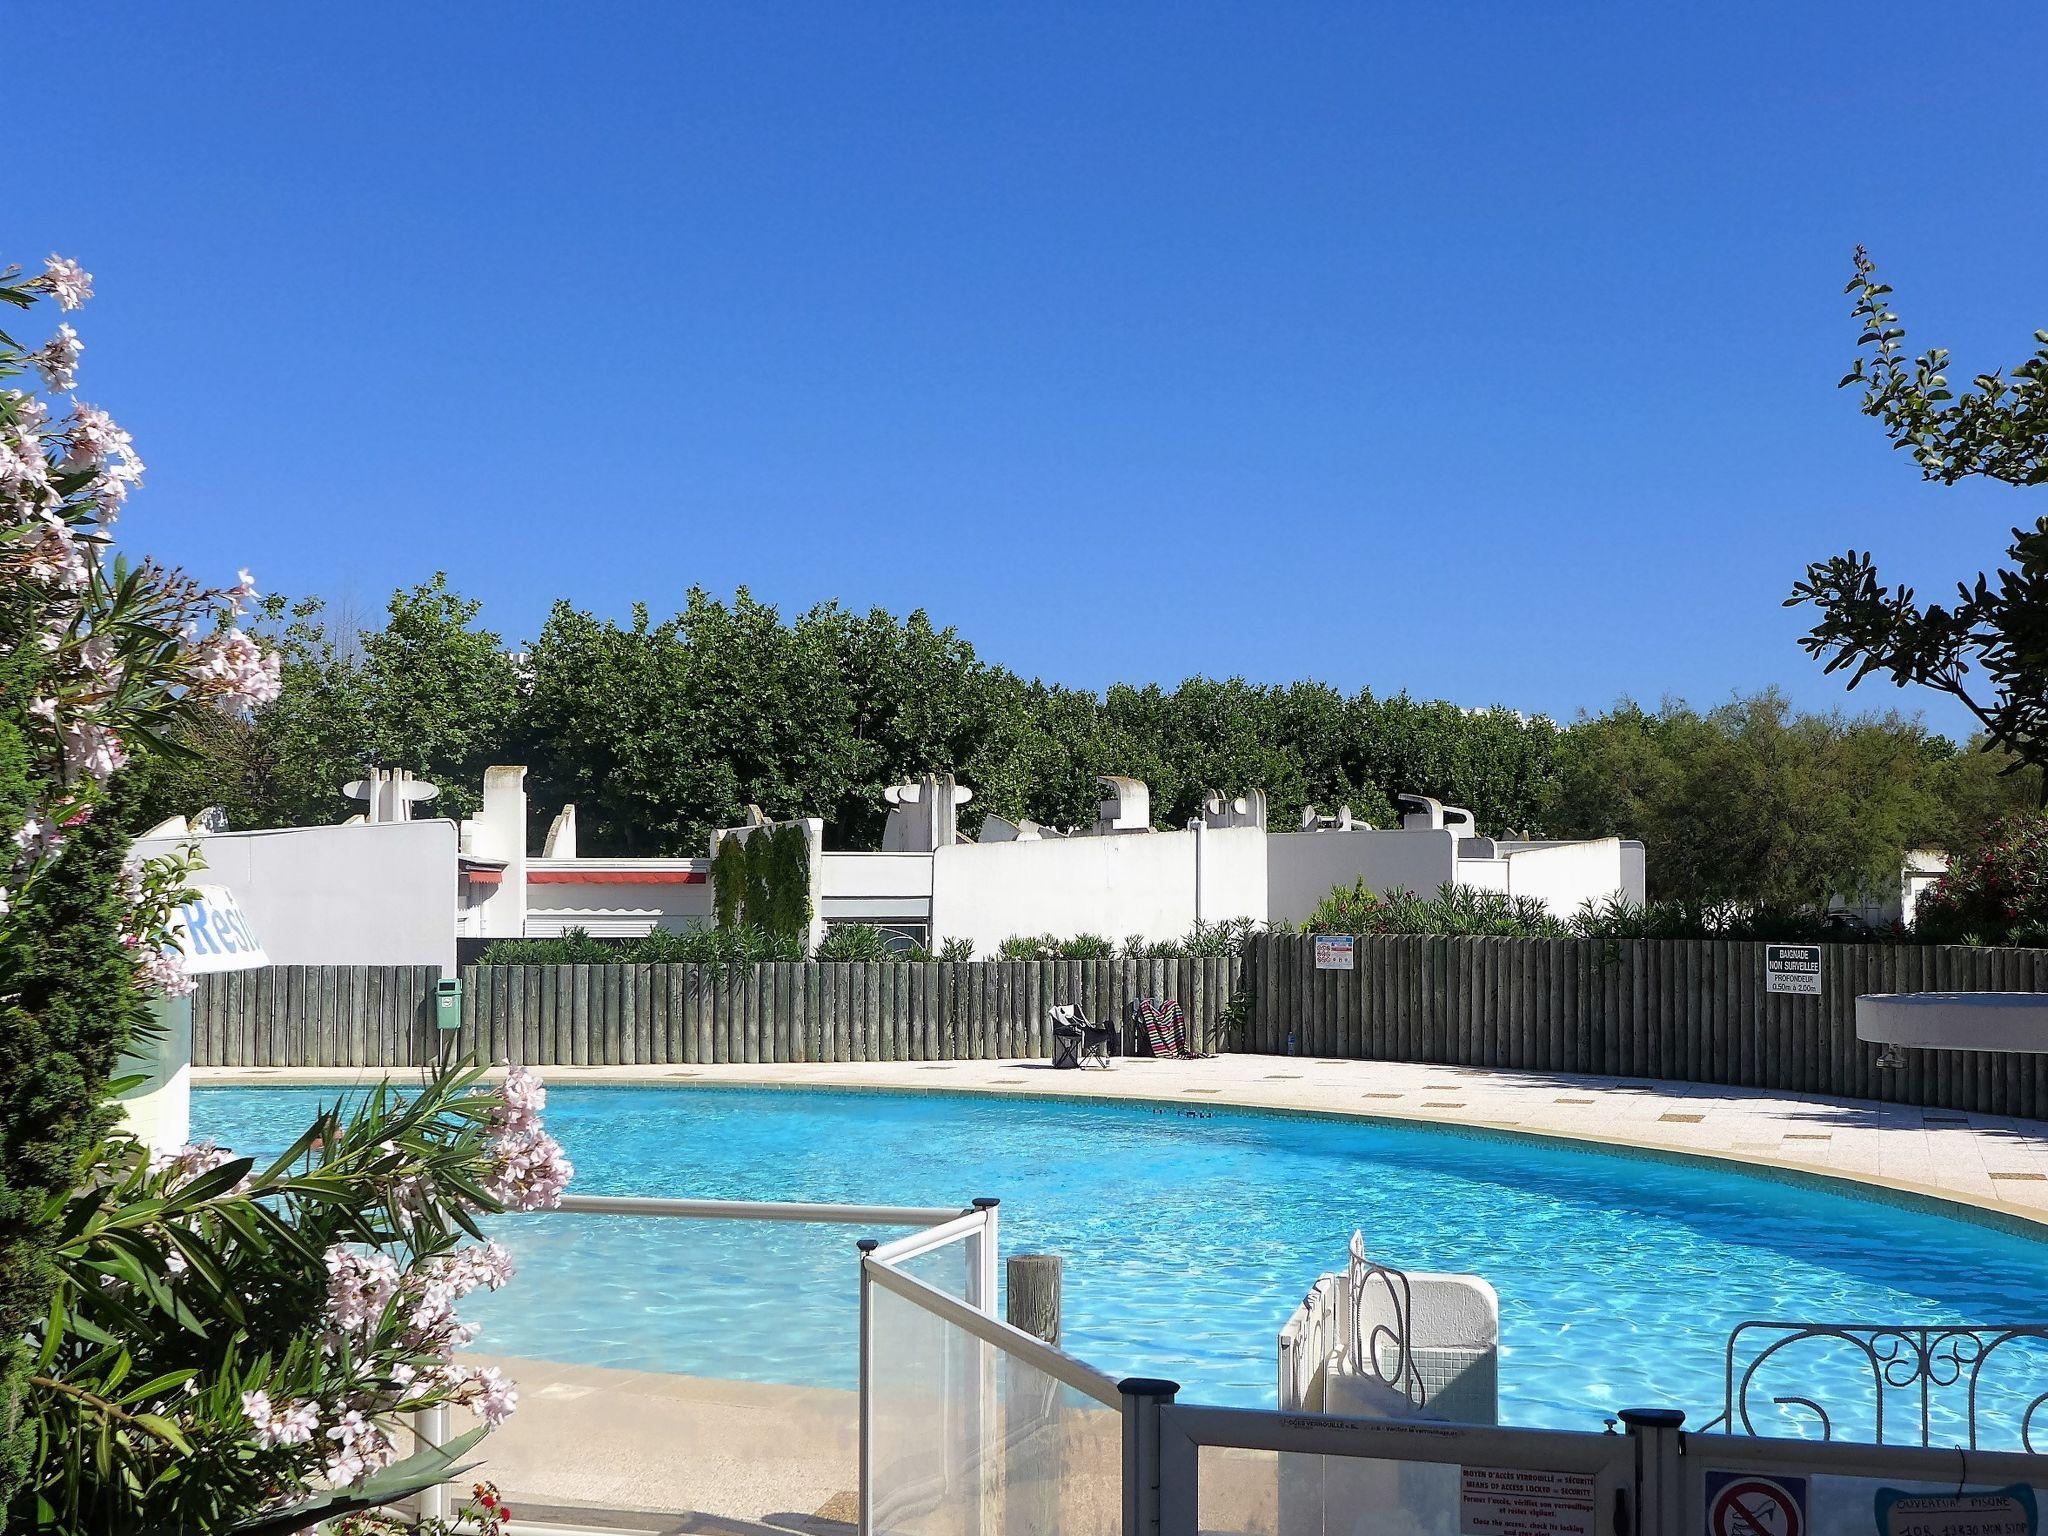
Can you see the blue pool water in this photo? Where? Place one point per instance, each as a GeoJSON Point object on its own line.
{"type": "Point", "coordinates": [1190, 1235]}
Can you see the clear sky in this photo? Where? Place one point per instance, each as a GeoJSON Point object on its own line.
{"type": "Point", "coordinates": [1485, 351]}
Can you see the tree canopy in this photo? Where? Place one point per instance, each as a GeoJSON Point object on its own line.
{"type": "Point", "coordinates": [661, 730]}
{"type": "Point", "coordinates": [1989, 649]}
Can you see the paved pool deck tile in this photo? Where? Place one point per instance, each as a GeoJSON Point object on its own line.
{"type": "Point", "coordinates": [1994, 1165]}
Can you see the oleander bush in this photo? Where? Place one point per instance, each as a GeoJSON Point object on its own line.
{"type": "Point", "coordinates": [860, 941]}
{"type": "Point", "coordinates": [1999, 896]}
{"type": "Point", "coordinates": [1457, 910]}
{"type": "Point", "coordinates": [741, 945]}
{"type": "Point", "coordinates": [235, 1347]}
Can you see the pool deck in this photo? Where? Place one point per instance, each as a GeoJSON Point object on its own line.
{"type": "Point", "coordinates": [1995, 1165]}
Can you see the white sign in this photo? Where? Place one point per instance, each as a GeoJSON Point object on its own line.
{"type": "Point", "coordinates": [1752, 1504]}
{"type": "Point", "coordinates": [214, 935]}
{"type": "Point", "coordinates": [1793, 968]}
{"type": "Point", "coordinates": [1510, 1501]}
{"type": "Point", "coordinates": [1333, 951]}
{"type": "Point", "coordinates": [2009, 1512]}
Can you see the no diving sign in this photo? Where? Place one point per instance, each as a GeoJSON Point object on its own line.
{"type": "Point", "coordinates": [1749, 1504]}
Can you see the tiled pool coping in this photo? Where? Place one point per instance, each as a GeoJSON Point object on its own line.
{"type": "Point", "coordinates": [1991, 1168]}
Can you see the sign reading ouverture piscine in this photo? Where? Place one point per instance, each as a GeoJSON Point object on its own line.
{"type": "Point", "coordinates": [1333, 951]}
{"type": "Point", "coordinates": [1792, 968]}
{"type": "Point", "coordinates": [214, 935]}
{"type": "Point", "coordinates": [2003, 1512]}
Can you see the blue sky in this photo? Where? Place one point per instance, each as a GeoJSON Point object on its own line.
{"type": "Point", "coordinates": [1487, 352]}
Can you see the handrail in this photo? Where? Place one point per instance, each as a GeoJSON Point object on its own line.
{"type": "Point", "coordinates": [759, 1210]}
{"type": "Point", "coordinates": [1263, 1429]}
{"type": "Point", "coordinates": [914, 1245]}
{"type": "Point", "coordinates": [1078, 1374]}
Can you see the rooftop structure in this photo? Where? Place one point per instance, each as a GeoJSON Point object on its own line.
{"type": "Point", "coordinates": [385, 888]}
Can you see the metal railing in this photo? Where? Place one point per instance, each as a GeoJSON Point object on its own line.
{"type": "Point", "coordinates": [431, 1425]}
{"type": "Point", "coordinates": [980, 1442]}
{"type": "Point", "coordinates": [1934, 1378]}
{"type": "Point", "coordinates": [1652, 1479]}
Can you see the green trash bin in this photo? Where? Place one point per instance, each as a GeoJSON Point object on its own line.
{"type": "Point", "coordinates": [448, 1003]}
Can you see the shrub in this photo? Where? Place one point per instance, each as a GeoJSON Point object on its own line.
{"type": "Point", "coordinates": [100, 660]}
{"type": "Point", "coordinates": [743, 945]}
{"type": "Point", "coordinates": [1456, 910]}
{"type": "Point", "coordinates": [239, 1345]}
{"type": "Point", "coordinates": [1619, 918]}
{"type": "Point", "coordinates": [1998, 896]}
{"type": "Point", "coordinates": [856, 941]}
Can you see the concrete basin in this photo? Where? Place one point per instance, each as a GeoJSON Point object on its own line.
{"type": "Point", "coordinates": [1955, 1021]}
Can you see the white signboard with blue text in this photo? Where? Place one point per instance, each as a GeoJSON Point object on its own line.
{"type": "Point", "coordinates": [213, 935]}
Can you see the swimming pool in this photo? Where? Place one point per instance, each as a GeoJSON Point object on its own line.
{"type": "Point", "coordinates": [1189, 1235]}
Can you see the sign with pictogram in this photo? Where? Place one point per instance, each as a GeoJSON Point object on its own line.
{"type": "Point", "coordinates": [1751, 1504]}
{"type": "Point", "coordinates": [1334, 951]}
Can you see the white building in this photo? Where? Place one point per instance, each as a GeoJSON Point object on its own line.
{"type": "Point", "coordinates": [384, 888]}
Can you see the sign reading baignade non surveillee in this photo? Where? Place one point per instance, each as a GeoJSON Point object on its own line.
{"type": "Point", "coordinates": [1793, 969]}
{"type": "Point", "coordinates": [1334, 951]}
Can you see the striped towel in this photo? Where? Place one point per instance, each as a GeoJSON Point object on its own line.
{"type": "Point", "coordinates": [1166, 1028]}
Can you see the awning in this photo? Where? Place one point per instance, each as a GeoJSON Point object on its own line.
{"type": "Point", "coordinates": [615, 877]}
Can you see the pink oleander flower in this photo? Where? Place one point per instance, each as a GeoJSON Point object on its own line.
{"type": "Point", "coordinates": [57, 555]}
{"type": "Point", "coordinates": [359, 1287]}
{"type": "Point", "coordinates": [528, 1170]}
{"type": "Point", "coordinates": [38, 837]}
{"type": "Point", "coordinates": [92, 751]}
{"type": "Point", "coordinates": [360, 1449]}
{"type": "Point", "coordinates": [489, 1394]}
{"type": "Point", "coordinates": [237, 670]}
{"type": "Point", "coordinates": [163, 973]}
{"type": "Point", "coordinates": [292, 1424]}
{"type": "Point", "coordinates": [66, 279]}
{"type": "Point", "coordinates": [94, 437]}
{"type": "Point", "coordinates": [57, 359]}
{"type": "Point", "coordinates": [190, 1160]}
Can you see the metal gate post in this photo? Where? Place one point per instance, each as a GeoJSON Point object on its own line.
{"type": "Point", "coordinates": [866, 1491]}
{"type": "Point", "coordinates": [1658, 1435]}
{"type": "Point", "coordinates": [430, 1427]}
{"type": "Point", "coordinates": [1142, 1396]}
{"type": "Point", "coordinates": [983, 1411]}
{"type": "Point", "coordinates": [982, 1268]}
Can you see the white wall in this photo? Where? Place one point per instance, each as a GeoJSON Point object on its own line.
{"type": "Point", "coordinates": [1125, 885]}
{"type": "Point", "coordinates": [1567, 875]}
{"type": "Point", "coordinates": [614, 909]}
{"type": "Point", "coordinates": [379, 893]}
{"type": "Point", "coordinates": [876, 887]}
{"type": "Point", "coordinates": [1304, 867]}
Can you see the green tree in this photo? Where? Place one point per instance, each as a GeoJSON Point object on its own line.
{"type": "Point", "coordinates": [1753, 803]}
{"type": "Point", "coordinates": [1997, 627]}
{"type": "Point", "coordinates": [440, 695]}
